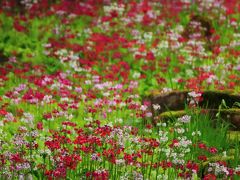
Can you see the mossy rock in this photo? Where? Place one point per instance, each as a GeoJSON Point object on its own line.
{"type": "Point", "coordinates": [170, 115]}
{"type": "Point", "coordinates": [213, 99]}
{"type": "Point", "coordinates": [229, 115]}
{"type": "Point", "coordinates": [177, 100]}
{"type": "Point", "coordinates": [172, 101]}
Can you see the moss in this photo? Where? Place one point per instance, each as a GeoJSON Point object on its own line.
{"type": "Point", "coordinates": [172, 114]}
{"type": "Point", "coordinates": [231, 111]}
{"type": "Point", "coordinates": [234, 135]}
{"type": "Point", "coordinates": [158, 92]}
{"type": "Point", "coordinates": [183, 112]}
{"type": "Point", "coordinates": [173, 105]}
{"type": "Point", "coordinates": [175, 100]}
{"type": "Point", "coordinates": [226, 91]}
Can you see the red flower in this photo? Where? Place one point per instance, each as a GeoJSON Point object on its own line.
{"type": "Point", "coordinates": [202, 158]}
{"type": "Point", "coordinates": [18, 27]}
{"type": "Point", "coordinates": [80, 140]}
{"type": "Point", "coordinates": [98, 175]}
{"type": "Point", "coordinates": [149, 126]}
{"type": "Point", "coordinates": [128, 158]}
{"type": "Point", "coordinates": [216, 50]}
{"type": "Point", "coordinates": [192, 166]}
{"type": "Point", "coordinates": [71, 161]}
{"type": "Point", "coordinates": [231, 85]}
{"type": "Point", "coordinates": [231, 172]}
{"type": "Point", "coordinates": [2, 160]}
{"type": "Point", "coordinates": [16, 158]}
{"type": "Point", "coordinates": [166, 164]}
{"type": "Point", "coordinates": [210, 177]}
{"type": "Point", "coordinates": [3, 112]}
{"type": "Point", "coordinates": [213, 150]}
{"type": "Point", "coordinates": [202, 146]}
{"type": "Point", "coordinates": [40, 126]}
{"type": "Point", "coordinates": [47, 116]}
{"type": "Point", "coordinates": [53, 144]}
{"type": "Point", "coordinates": [150, 56]}
{"type": "Point", "coordinates": [68, 123]}
{"type": "Point", "coordinates": [59, 173]}
{"type": "Point", "coordinates": [174, 142]}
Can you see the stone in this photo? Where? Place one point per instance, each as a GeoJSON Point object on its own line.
{"type": "Point", "coordinates": [174, 103]}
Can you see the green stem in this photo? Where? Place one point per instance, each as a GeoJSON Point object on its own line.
{"type": "Point", "coordinates": [149, 174]}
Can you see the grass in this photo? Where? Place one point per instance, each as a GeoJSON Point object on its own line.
{"type": "Point", "coordinates": [71, 95]}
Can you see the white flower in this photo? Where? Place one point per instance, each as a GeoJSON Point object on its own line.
{"type": "Point", "coordinates": [136, 75]}
{"type": "Point", "coordinates": [199, 133]}
{"type": "Point", "coordinates": [184, 119]}
{"type": "Point", "coordinates": [9, 117]}
{"type": "Point", "coordinates": [196, 133]}
{"type": "Point", "coordinates": [143, 108]}
{"type": "Point", "coordinates": [180, 130]}
{"type": "Point", "coordinates": [27, 118]}
{"type": "Point", "coordinates": [148, 130]}
{"type": "Point", "coordinates": [106, 94]}
{"type": "Point", "coordinates": [149, 114]}
{"type": "Point", "coordinates": [122, 104]}
{"type": "Point", "coordinates": [156, 107]}
{"type": "Point", "coordinates": [162, 124]}
{"type": "Point", "coordinates": [78, 89]}
{"type": "Point", "coordinates": [237, 67]}
{"type": "Point", "coordinates": [120, 161]}
{"type": "Point", "coordinates": [193, 94]}
{"type": "Point", "coordinates": [224, 154]}
{"type": "Point", "coordinates": [119, 120]}
{"type": "Point", "coordinates": [166, 90]}
{"type": "Point", "coordinates": [88, 82]}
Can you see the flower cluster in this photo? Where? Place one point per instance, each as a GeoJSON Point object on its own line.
{"type": "Point", "coordinates": [72, 78]}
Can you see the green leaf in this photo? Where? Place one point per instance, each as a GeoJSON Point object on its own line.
{"type": "Point", "coordinates": [236, 105]}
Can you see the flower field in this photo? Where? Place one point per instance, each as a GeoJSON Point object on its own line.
{"type": "Point", "coordinates": [75, 77]}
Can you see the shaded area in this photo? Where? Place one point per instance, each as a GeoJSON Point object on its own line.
{"type": "Point", "coordinates": [3, 58]}
{"type": "Point", "coordinates": [173, 105]}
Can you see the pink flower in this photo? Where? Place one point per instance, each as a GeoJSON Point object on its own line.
{"type": "Point", "coordinates": [202, 146]}
{"type": "Point", "coordinates": [213, 150]}
{"type": "Point", "coordinates": [40, 126]}
{"type": "Point", "coordinates": [104, 115]}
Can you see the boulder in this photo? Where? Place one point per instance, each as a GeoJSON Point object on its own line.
{"type": "Point", "coordinates": [173, 105]}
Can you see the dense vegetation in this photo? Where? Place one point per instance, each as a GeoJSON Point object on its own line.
{"type": "Point", "coordinates": [73, 76]}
